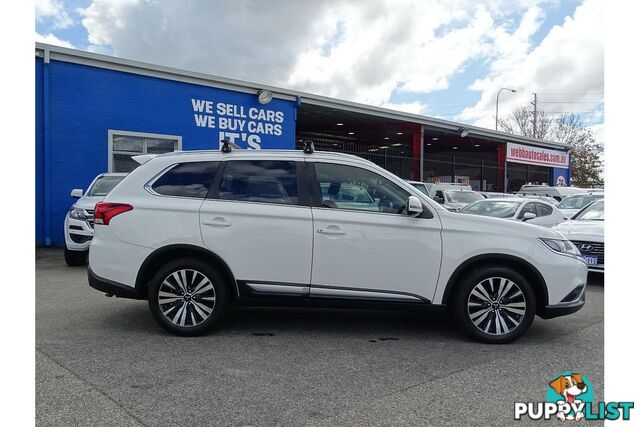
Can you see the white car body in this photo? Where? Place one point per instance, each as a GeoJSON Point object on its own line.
{"type": "Point", "coordinates": [79, 232]}
{"type": "Point", "coordinates": [569, 212]}
{"type": "Point", "coordinates": [316, 252]}
{"type": "Point", "coordinates": [553, 215]}
{"type": "Point", "coordinates": [557, 193]}
{"type": "Point", "coordinates": [588, 236]}
{"type": "Point", "coordinates": [430, 188]}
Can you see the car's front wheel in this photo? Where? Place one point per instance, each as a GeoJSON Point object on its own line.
{"type": "Point", "coordinates": [187, 297]}
{"type": "Point", "coordinates": [495, 304]}
{"type": "Point", "coordinates": [75, 258]}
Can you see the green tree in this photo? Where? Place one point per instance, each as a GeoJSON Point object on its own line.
{"type": "Point", "coordinates": [569, 129]}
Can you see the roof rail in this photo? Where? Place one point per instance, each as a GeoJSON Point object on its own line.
{"type": "Point", "coordinates": [228, 145]}
{"type": "Point", "coordinates": [309, 148]}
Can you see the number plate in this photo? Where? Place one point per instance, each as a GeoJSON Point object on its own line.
{"type": "Point", "coordinates": [591, 260]}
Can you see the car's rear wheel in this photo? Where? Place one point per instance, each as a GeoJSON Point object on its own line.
{"type": "Point", "coordinates": [495, 305]}
{"type": "Point", "coordinates": [187, 297]}
{"type": "Point", "coordinates": [75, 258]}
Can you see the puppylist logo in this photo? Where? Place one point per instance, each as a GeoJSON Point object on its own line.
{"type": "Point", "coordinates": [570, 397]}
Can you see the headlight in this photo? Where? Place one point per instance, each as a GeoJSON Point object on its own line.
{"type": "Point", "coordinates": [564, 247]}
{"type": "Point", "coordinates": [77, 213]}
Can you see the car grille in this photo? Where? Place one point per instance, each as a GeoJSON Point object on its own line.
{"type": "Point", "coordinates": [89, 215]}
{"type": "Point", "coordinates": [591, 248]}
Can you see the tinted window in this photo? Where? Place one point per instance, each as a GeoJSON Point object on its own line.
{"type": "Point", "coordinates": [187, 180]}
{"type": "Point", "coordinates": [544, 210]}
{"type": "Point", "coordinates": [349, 187]}
{"type": "Point", "coordinates": [529, 207]}
{"type": "Point", "coordinates": [266, 181]}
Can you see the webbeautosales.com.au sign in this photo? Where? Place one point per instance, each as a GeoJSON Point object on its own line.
{"type": "Point", "coordinates": [519, 153]}
{"type": "Point", "coordinates": [239, 124]}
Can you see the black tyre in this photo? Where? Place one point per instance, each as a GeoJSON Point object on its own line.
{"type": "Point", "coordinates": [187, 297]}
{"type": "Point", "coordinates": [75, 258]}
{"type": "Point", "coordinates": [494, 304]}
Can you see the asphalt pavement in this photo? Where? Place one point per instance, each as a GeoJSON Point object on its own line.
{"type": "Point", "coordinates": [104, 361]}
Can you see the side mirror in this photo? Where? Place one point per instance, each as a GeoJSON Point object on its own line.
{"type": "Point", "coordinates": [414, 206]}
{"type": "Point", "coordinates": [528, 215]}
{"type": "Point", "coordinates": [76, 193]}
{"type": "Point", "coordinates": [439, 199]}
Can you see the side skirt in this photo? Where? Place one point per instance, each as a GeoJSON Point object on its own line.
{"type": "Point", "coordinates": [292, 294]}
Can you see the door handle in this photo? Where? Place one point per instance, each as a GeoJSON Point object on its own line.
{"type": "Point", "coordinates": [217, 222]}
{"type": "Point", "coordinates": [333, 230]}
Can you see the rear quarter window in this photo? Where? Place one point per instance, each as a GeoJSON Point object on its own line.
{"type": "Point", "coordinates": [187, 180]}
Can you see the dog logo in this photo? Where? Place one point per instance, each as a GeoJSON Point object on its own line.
{"type": "Point", "coordinates": [570, 396]}
{"type": "Point", "coordinates": [571, 387]}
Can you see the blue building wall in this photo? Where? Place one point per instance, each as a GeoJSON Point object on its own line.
{"type": "Point", "coordinates": [84, 103]}
{"type": "Point", "coordinates": [39, 153]}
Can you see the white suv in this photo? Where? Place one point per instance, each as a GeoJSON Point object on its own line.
{"type": "Point", "coordinates": [192, 232]}
{"type": "Point", "coordinates": [78, 223]}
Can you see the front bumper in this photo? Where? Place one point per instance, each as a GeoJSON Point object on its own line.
{"type": "Point", "coordinates": [112, 288]}
{"type": "Point", "coordinates": [77, 234]}
{"type": "Point", "coordinates": [563, 309]}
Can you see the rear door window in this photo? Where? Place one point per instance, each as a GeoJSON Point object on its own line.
{"type": "Point", "coordinates": [264, 181]}
{"type": "Point", "coordinates": [529, 207]}
{"type": "Point", "coordinates": [544, 210]}
{"type": "Point", "coordinates": [191, 179]}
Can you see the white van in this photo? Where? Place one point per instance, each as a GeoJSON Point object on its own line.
{"type": "Point", "coordinates": [557, 193]}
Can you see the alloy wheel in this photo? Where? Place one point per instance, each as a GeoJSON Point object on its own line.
{"type": "Point", "coordinates": [496, 306]}
{"type": "Point", "coordinates": [186, 298]}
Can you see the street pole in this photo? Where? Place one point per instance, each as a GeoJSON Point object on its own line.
{"type": "Point", "coordinates": [535, 113]}
{"type": "Point", "coordinates": [498, 99]}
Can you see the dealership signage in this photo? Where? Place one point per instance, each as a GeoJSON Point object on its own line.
{"type": "Point", "coordinates": [246, 125]}
{"type": "Point", "coordinates": [519, 153]}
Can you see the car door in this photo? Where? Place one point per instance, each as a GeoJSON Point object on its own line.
{"type": "Point", "coordinates": [366, 250]}
{"type": "Point", "coordinates": [545, 215]}
{"type": "Point", "coordinates": [255, 218]}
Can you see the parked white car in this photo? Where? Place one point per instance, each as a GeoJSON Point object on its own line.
{"type": "Point", "coordinates": [586, 231]}
{"type": "Point", "coordinates": [536, 211]}
{"type": "Point", "coordinates": [78, 223]}
{"type": "Point", "coordinates": [557, 193]}
{"type": "Point", "coordinates": [430, 188]}
{"type": "Point", "coordinates": [454, 200]}
{"type": "Point", "coordinates": [494, 195]}
{"type": "Point", "coordinates": [420, 186]}
{"type": "Point", "coordinates": [193, 232]}
{"type": "Point", "coordinates": [571, 205]}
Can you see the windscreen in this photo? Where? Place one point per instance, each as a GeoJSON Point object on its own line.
{"type": "Point", "coordinates": [104, 185]}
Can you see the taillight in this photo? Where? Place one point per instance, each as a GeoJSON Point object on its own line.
{"type": "Point", "coordinates": [103, 212]}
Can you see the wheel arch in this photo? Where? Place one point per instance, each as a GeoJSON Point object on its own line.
{"type": "Point", "coordinates": [166, 253]}
{"type": "Point", "coordinates": [524, 267]}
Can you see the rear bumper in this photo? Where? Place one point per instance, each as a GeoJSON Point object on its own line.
{"type": "Point", "coordinates": [113, 288]}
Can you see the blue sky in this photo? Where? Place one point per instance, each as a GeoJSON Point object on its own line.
{"type": "Point", "coordinates": [434, 57]}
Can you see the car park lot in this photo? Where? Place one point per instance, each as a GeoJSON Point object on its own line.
{"type": "Point", "coordinates": [104, 361]}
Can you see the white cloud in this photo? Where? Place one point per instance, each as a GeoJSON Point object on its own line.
{"type": "Point", "coordinates": [366, 52]}
{"type": "Point", "coordinates": [415, 107]}
{"type": "Point", "coordinates": [51, 39]}
{"type": "Point", "coordinates": [356, 51]}
{"type": "Point", "coordinates": [53, 10]}
{"type": "Point", "coordinates": [566, 69]}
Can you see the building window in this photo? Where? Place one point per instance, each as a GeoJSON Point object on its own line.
{"type": "Point", "coordinates": [123, 145]}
